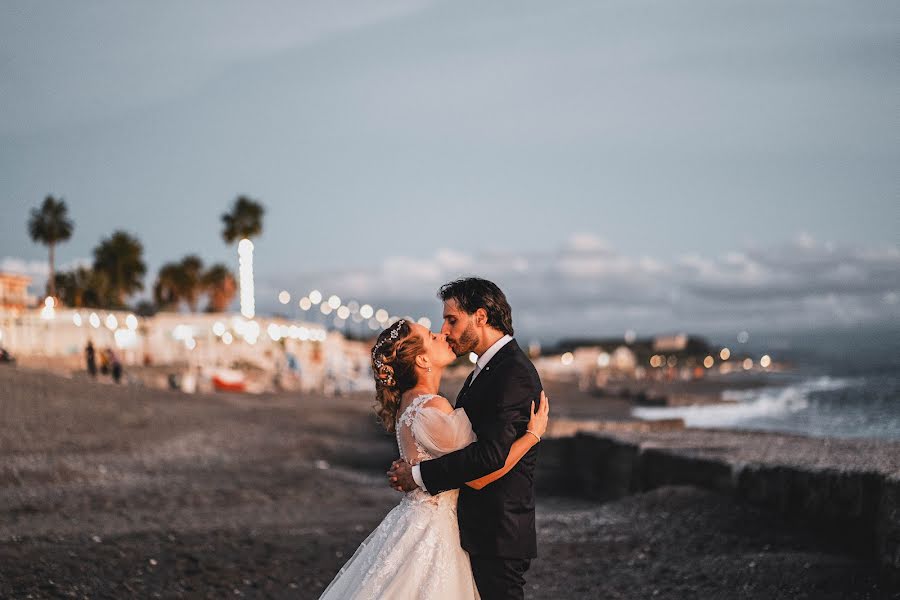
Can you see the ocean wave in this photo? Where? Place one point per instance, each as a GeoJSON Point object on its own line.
{"type": "Point", "coordinates": [745, 405]}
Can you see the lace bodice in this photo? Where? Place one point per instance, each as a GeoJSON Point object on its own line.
{"type": "Point", "coordinates": [425, 432]}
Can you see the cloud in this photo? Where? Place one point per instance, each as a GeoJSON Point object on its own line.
{"type": "Point", "coordinates": [38, 270]}
{"type": "Point", "coordinates": [20, 266]}
{"type": "Point", "coordinates": [587, 287]}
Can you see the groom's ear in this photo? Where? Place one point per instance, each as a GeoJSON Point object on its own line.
{"type": "Point", "coordinates": [480, 317]}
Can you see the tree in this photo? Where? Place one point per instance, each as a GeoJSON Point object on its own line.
{"type": "Point", "coordinates": [244, 220]}
{"type": "Point", "coordinates": [167, 289]}
{"type": "Point", "coordinates": [191, 280]}
{"type": "Point", "coordinates": [83, 287]}
{"type": "Point", "coordinates": [179, 282]}
{"type": "Point", "coordinates": [221, 287]}
{"type": "Point", "coordinates": [120, 258]}
{"type": "Point", "coordinates": [50, 224]}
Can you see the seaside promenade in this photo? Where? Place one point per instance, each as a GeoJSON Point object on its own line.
{"type": "Point", "coordinates": [126, 491]}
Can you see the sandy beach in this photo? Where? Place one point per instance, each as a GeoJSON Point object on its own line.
{"type": "Point", "coordinates": [114, 492]}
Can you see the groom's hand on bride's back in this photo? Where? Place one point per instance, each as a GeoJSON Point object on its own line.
{"type": "Point", "coordinates": [400, 476]}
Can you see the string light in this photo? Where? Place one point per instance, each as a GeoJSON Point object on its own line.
{"type": "Point", "coordinates": [245, 273]}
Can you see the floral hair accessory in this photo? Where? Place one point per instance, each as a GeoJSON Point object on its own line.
{"type": "Point", "coordinates": [395, 333]}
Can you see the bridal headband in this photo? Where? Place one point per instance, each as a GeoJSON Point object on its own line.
{"type": "Point", "coordinates": [395, 333]}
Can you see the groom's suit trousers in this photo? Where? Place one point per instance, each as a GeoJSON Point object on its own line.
{"type": "Point", "coordinates": [500, 578]}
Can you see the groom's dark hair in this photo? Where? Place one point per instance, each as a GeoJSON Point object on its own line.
{"type": "Point", "coordinates": [472, 293]}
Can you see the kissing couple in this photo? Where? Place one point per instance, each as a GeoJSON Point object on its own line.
{"type": "Point", "coordinates": [464, 528]}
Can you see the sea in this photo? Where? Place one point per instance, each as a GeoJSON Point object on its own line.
{"type": "Point", "coordinates": [842, 383]}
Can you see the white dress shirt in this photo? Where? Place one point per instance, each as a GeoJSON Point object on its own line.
{"type": "Point", "coordinates": [480, 364]}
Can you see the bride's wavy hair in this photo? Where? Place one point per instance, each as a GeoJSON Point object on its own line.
{"type": "Point", "coordinates": [394, 367]}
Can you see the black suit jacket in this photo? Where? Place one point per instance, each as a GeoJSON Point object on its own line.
{"type": "Point", "coordinates": [497, 520]}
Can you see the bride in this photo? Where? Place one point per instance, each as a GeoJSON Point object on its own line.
{"type": "Point", "coordinates": [415, 552]}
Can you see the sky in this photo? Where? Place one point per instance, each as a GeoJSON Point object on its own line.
{"type": "Point", "coordinates": [704, 165]}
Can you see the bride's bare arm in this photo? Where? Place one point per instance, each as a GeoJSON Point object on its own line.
{"type": "Point", "coordinates": [538, 425]}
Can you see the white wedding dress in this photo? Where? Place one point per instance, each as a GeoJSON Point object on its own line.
{"type": "Point", "coordinates": [415, 552]}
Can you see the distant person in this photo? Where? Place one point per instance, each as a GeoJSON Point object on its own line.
{"type": "Point", "coordinates": [480, 454]}
{"type": "Point", "coordinates": [6, 357]}
{"type": "Point", "coordinates": [115, 366]}
{"type": "Point", "coordinates": [104, 361]}
{"type": "Point", "coordinates": [90, 357]}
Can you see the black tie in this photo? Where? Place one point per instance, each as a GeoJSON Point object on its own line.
{"type": "Point", "coordinates": [462, 392]}
{"type": "Point", "coordinates": [468, 381]}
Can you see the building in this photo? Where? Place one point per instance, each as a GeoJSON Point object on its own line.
{"type": "Point", "coordinates": [14, 292]}
{"type": "Point", "coordinates": [670, 343]}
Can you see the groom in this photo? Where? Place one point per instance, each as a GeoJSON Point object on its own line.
{"type": "Point", "coordinates": [496, 523]}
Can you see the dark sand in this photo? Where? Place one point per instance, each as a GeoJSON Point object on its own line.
{"type": "Point", "coordinates": [114, 492]}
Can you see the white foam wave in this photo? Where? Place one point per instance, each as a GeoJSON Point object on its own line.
{"type": "Point", "coordinates": [746, 404]}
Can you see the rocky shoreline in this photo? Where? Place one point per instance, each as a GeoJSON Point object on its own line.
{"type": "Point", "coordinates": [112, 492]}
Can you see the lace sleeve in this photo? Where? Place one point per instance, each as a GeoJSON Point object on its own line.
{"type": "Point", "coordinates": [440, 433]}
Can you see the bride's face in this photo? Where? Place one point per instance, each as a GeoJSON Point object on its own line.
{"type": "Point", "coordinates": [438, 351]}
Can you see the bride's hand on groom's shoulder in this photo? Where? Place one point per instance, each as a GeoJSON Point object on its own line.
{"type": "Point", "coordinates": [537, 424]}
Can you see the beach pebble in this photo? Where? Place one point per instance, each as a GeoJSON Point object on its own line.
{"type": "Point", "coordinates": [322, 464]}
{"type": "Point", "coordinates": [96, 538]}
{"type": "Point", "coordinates": [153, 561]}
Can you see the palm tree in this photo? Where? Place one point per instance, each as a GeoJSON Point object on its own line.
{"type": "Point", "coordinates": [49, 225]}
{"type": "Point", "coordinates": [82, 287]}
{"type": "Point", "coordinates": [244, 220]}
{"type": "Point", "coordinates": [120, 258]}
{"type": "Point", "coordinates": [191, 280]}
{"type": "Point", "coordinates": [221, 287]}
{"type": "Point", "coordinates": [168, 286]}
{"type": "Point", "coordinates": [181, 281]}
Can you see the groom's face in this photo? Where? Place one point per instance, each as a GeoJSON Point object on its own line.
{"type": "Point", "coordinates": [459, 327]}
